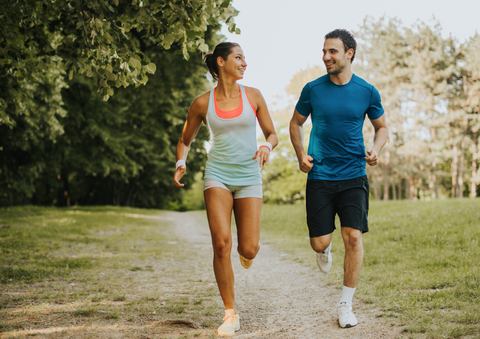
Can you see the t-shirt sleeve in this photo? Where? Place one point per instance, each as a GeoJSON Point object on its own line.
{"type": "Point", "coordinates": [303, 105]}
{"type": "Point", "coordinates": [375, 110]}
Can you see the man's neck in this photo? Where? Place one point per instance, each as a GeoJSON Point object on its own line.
{"type": "Point", "coordinates": [342, 78]}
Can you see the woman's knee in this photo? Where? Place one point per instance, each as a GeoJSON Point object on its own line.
{"type": "Point", "coordinates": [248, 252]}
{"type": "Point", "coordinates": [222, 248]}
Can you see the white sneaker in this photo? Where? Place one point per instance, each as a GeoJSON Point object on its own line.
{"type": "Point", "coordinates": [324, 259]}
{"type": "Point", "coordinates": [346, 318]}
{"type": "Point", "coordinates": [230, 325]}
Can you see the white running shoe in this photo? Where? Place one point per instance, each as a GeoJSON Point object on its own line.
{"type": "Point", "coordinates": [230, 325]}
{"type": "Point", "coordinates": [324, 259]}
{"type": "Point", "coordinates": [346, 318]}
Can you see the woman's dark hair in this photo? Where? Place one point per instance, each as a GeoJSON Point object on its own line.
{"type": "Point", "coordinates": [222, 50]}
{"type": "Point", "coordinates": [347, 39]}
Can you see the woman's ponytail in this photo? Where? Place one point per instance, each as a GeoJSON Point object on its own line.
{"type": "Point", "coordinates": [222, 50]}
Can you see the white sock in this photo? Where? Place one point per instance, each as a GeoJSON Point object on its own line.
{"type": "Point", "coordinates": [347, 294]}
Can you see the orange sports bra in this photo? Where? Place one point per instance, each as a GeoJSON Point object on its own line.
{"type": "Point", "coordinates": [231, 114]}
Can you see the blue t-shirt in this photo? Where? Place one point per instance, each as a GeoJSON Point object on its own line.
{"type": "Point", "coordinates": [337, 113]}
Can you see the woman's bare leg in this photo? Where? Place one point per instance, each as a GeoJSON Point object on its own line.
{"type": "Point", "coordinates": [219, 205]}
{"type": "Point", "coordinates": [247, 218]}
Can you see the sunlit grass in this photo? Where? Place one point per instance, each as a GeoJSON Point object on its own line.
{"type": "Point", "coordinates": [421, 262]}
{"type": "Point", "coordinates": [99, 266]}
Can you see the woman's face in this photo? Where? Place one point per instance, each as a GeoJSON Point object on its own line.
{"type": "Point", "coordinates": [235, 64]}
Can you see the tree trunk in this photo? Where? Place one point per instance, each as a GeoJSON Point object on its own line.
{"type": "Point", "coordinates": [400, 193]}
{"type": "Point", "coordinates": [461, 169]}
{"type": "Point", "coordinates": [394, 189]}
{"type": "Point", "coordinates": [411, 189]}
{"type": "Point", "coordinates": [409, 183]}
{"type": "Point", "coordinates": [454, 171]}
{"type": "Point", "coordinates": [376, 189]}
{"type": "Point", "coordinates": [119, 193]}
{"type": "Point", "coordinates": [473, 181]}
{"type": "Point", "coordinates": [63, 197]}
{"type": "Point", "coordinates": [385, 182]}
{"type": "Point", "coordinates": [131, 192]}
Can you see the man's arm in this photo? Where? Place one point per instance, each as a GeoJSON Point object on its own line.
{"type": "Point", "coordinates": [380, 139]}
{"type": "Point", "coordinates": [296, 136]}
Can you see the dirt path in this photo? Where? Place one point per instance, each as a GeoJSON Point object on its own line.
{"type": "Point", "coordinates": [279, 298]}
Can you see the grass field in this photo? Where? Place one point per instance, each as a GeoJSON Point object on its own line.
{"type": "Point", "coordinates": [88, 270]}
{"type": "Point", "coordinates": [94, 272]}
{"type": "Point", "coordinates": [422, 262]}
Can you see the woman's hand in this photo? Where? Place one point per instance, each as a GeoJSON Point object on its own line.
{"type": "Point", "coordinates": [178, 175]}
{"type": "Point", "coordinates": [262, 155]}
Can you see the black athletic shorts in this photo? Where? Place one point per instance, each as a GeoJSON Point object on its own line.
{"type": "Point", "coordinates": [347, 198]}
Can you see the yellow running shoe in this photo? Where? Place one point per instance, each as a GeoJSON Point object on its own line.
{"type": "Point", "coordinates": [230, 325]}
{"type": "Point", "coordinates": [247, 263]}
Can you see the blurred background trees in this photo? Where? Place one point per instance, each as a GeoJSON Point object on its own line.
{"type": "Point", "coordinates": [64, 138]}
{"type": "Point", "coordinates": [93, 96]}
{"type": "Point", "coordinates": [430, 88]}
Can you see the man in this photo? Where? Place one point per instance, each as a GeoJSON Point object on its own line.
{"type": "Point", "coordinates": [337, 182]}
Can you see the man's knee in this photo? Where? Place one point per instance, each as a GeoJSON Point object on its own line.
{"type": "Point", "coordinates": [320, 244]}
{"type": "Point", "coordinates": [353, 238]}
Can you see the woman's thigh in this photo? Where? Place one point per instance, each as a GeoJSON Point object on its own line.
{"type": "Point", "coordinates": [247, 217]}
{"type": "Point", "coordinates": [219, 205]}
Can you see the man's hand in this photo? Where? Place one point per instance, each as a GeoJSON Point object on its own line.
{"type": "Point", "coordinates": [305, 164]}
{"type": "Point", "coordinates": [372, 157]}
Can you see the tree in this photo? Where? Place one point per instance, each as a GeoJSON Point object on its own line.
{"type": "Point", "coordinates": [60, 142]}
{"type": "Point", "coordinates": [471, 89]}
{"type": "Point", "coordinates": [95, 38]}
{"type": "Point", "coordinates": [283, 180]}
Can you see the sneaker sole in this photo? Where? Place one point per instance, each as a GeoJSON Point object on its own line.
{"type": "Point", "coordinates": [229, 335]}
{"type": "Point", "coordinates": [348, 326]}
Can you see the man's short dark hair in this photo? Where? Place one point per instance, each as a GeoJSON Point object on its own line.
{"type": "Point", "coordinates": [347, 39]}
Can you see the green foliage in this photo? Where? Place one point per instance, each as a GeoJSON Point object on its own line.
{"type": "Point", "coordinates": [96, 38]}
{"type": "Point", "coordinates": [283, 180]}
{"type": "Point", "coordinates": [421, 261]}
{"type": "Point", "coordinates": [59, 142]}
{"type": "Point", "coordinates": [119, 152]}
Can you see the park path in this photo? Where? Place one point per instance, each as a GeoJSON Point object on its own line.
{"type": "Point", "coordinates": [279, 298]}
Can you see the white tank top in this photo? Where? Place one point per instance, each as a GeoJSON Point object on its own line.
{"type": "Point", "coordinates": [233, 144]}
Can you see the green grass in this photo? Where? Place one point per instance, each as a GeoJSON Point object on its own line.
{"type": "Point", "coordinates": [422, 262]}
{"type": "Point", "coordinates": [99, 266]}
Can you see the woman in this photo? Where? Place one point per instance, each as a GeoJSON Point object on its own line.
{"type": "Point", "coordinates": [232, 174]}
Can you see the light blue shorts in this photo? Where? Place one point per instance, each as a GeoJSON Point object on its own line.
{"type": "Point", "coordinates": [238, 192]}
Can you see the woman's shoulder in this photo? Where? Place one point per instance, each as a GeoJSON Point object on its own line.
{"type": "Point", "coordinates": [201, 101]}
{"type": "Point", "coordinates": [252, 90]}
{"type": "Point", "coordinates": [253, 93]}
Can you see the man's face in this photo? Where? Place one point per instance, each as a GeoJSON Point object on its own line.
{"type": "Point", "coordinates": [334, 56]}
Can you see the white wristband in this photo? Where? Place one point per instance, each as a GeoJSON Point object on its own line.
{"type": "Point", "coordinates": [266, 144]}
{"type": "Point", "coordinates": [180, 162]}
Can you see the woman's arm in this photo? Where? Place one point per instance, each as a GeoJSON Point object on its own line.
{"type": "Point", "coordinates": [266, 124]}
{"type": "Point", "coordinates": [196, 114]}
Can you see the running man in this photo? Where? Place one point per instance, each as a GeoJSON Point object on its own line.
{"type": "Point", "coordinates": [337, 182]}
{"type": "Point", "coordinates": [232, 175]}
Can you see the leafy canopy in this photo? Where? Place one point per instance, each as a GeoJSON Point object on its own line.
{"type": "Point", "coordinates": [94, 37]}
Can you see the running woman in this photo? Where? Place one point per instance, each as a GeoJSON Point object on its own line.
{"type": "Point", "coordinates": [232, 175]}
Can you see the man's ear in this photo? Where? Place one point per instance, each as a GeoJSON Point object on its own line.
{"type": "Point", "coordinates": [350, 54]}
